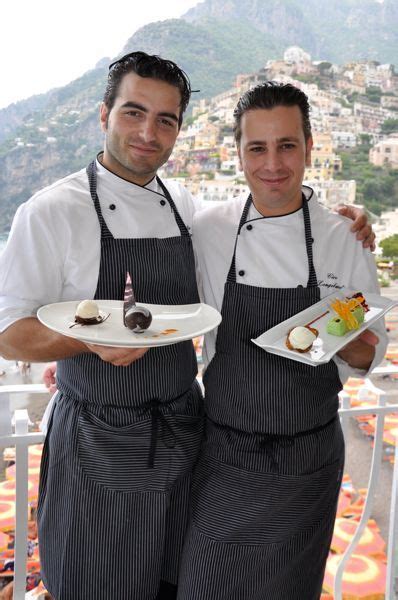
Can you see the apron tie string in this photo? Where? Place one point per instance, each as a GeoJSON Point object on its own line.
{"type": "Point", "coordinates": [270, 441]}
{"type": "Point", "coordinates": [166, 430]}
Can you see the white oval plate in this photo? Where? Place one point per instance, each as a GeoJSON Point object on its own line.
{"type": "Point", "coordinates": [188, 321]}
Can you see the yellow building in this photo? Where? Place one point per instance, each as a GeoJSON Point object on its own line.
{"type": "Point", "coordinates": [325, 163]}
{"type": "Point", "coordinates": [207, 137]}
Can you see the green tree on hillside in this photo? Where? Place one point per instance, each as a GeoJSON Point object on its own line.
{"type": "Point", "coordinates": [390, 126]}
{"type": "Point", "coordinates": [373, 94]}
{"type": "Point", "coordinates": [377, 187]}
{"type": "Point", "coordinates": [390, 246]}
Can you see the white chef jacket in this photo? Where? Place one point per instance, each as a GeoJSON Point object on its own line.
{"type": "Point", "coordinates": [53, 250]}
{"type": "Point", "coordinates": [273, 254]}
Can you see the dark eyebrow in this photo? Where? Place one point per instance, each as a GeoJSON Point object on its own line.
{"type": "Point", "coordinates": [279, 140]}
{"type": "Point", "coordinates": [256, 143]}
{"type": "Point", "coordinates": [131, 104]}
{"type": "Point", "coordinates": [291, 138]}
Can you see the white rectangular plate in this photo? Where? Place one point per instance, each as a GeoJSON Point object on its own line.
{"type": "Point", "coordinates": [326, 345]}
{"type": "Point", "coordinates": [189, 321]}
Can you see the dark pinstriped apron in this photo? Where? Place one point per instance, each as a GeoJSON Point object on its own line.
{"type": "Point", "coordinates": [266, 486]}
{"type": "Point", "coordinates": [122, 441]}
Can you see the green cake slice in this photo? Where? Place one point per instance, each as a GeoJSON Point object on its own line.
{"type": "Point", "coordinates": [359, 314]}
{"type": "Point", "coordinates": [336, 326]}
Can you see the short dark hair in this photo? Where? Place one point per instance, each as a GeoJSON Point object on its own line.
{"type": "Point", "coordinates": [146, 65]}
{"type": "Point", "coordinates": [269, 95]}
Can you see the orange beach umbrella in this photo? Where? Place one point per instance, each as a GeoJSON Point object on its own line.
{"type": "Point", "coordinates": [7, 515]}
{"type": "Point", "coordinates": [8, 487]}
{"type": "Point", "coordinates": [370, 544]}
{"type": "Point", "coordinates": [35, 451]}
{"type": "Point", "coordinates": [33, 473]}
{"type": "Point", "coordinates": [34, 455]}
{"type": "Point", "coordinates": [391, 421]}
{"type": "Point", "coordinates": [364, 577]}
{"type": "Point", "coordinates": [343, 503]}
{"type": "Point", "coordinates": [352, 385]}
{"type": "Point", "coordinates": [391, 353]}
{"type": "Point", "coordinates": [390, 436]}
{"type": "Point", "coordinates": [4, 541]}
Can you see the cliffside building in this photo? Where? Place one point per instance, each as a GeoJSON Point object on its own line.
{"type": "Point", "coordinates": [385, 152]}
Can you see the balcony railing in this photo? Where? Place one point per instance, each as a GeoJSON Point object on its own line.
{"type": "Point", "coordinates": [14, 431]}
{"type": "Point", "coordinates": [380, 410]}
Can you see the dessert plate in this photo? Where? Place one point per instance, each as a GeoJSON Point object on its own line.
{"type": "Point", "coordinates": [170, 323]}
{"type": "Point", "coordinates": [326, 345]}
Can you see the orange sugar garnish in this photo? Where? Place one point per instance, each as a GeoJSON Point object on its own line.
{"type": "Point", "coordinates": [343, 308]}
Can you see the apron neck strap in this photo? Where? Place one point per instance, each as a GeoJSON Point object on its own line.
{"type": "Point", "coordinates": [180, 223]}
{"type": "Point", "coordinates": [309, 240]}
{"type": "Point", "coordinates": [312, 279]}
{"type": "Point", "coordinates": [231, 277]}
{"type": "Point", "coordinates": [92, 181]}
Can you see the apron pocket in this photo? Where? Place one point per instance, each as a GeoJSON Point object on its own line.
{"type": "Point", "coordinates": [117, 457]}
{"type": "Point", "coordinates": [233, 505]}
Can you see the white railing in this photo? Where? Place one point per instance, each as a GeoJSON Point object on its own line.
{"type": "Point", "coordinates": [380, 410]}
{"type": "Point", "coordinates": [21, 439]}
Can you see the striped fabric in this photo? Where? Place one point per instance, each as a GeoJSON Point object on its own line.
{"type": "Point", "coordinates": [109, 525]}
{"type": "Point", "coordinates": [266, 486]}
{"type": "Point", "coordinates": [162, 273]}
{"type": "Point", "coordinates": [256, 534]}
{"type": "Point", "coordinates": [253, 390]}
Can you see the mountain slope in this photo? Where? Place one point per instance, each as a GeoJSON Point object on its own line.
{"type": "Point", "coordinates": [337, 30]}
{"type": "Point", "coordinates": [211, 57]}
{"type": "Point", "coordinates": [48, 136]}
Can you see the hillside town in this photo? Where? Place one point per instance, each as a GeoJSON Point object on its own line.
{"type": "Point", "coordinates": [348, 101]}
{"type": "Point", "coordinates": [351, 103]}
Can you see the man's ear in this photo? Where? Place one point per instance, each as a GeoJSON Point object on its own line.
{"type": "Point", "coordinates": [308, 147]}
{"type": "Point", "coordinates": [104, 114]}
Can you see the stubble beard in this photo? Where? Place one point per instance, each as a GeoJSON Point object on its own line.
{"type": "Point", "coordinates": [145, 170]}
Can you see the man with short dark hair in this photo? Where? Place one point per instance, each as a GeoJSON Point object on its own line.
{"type": "Point", "coordinates": [121, 442]}
{"type": "Point", "coordinates": [266, 484]}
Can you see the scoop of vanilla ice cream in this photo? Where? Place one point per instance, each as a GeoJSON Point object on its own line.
{"type": "Point", "coordinates": [88, 309]}
{"type": "Point", "coordinates": [301, 337]}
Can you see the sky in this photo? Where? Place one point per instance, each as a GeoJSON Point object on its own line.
{"type": "Point", "coordinates": [48, 43]}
